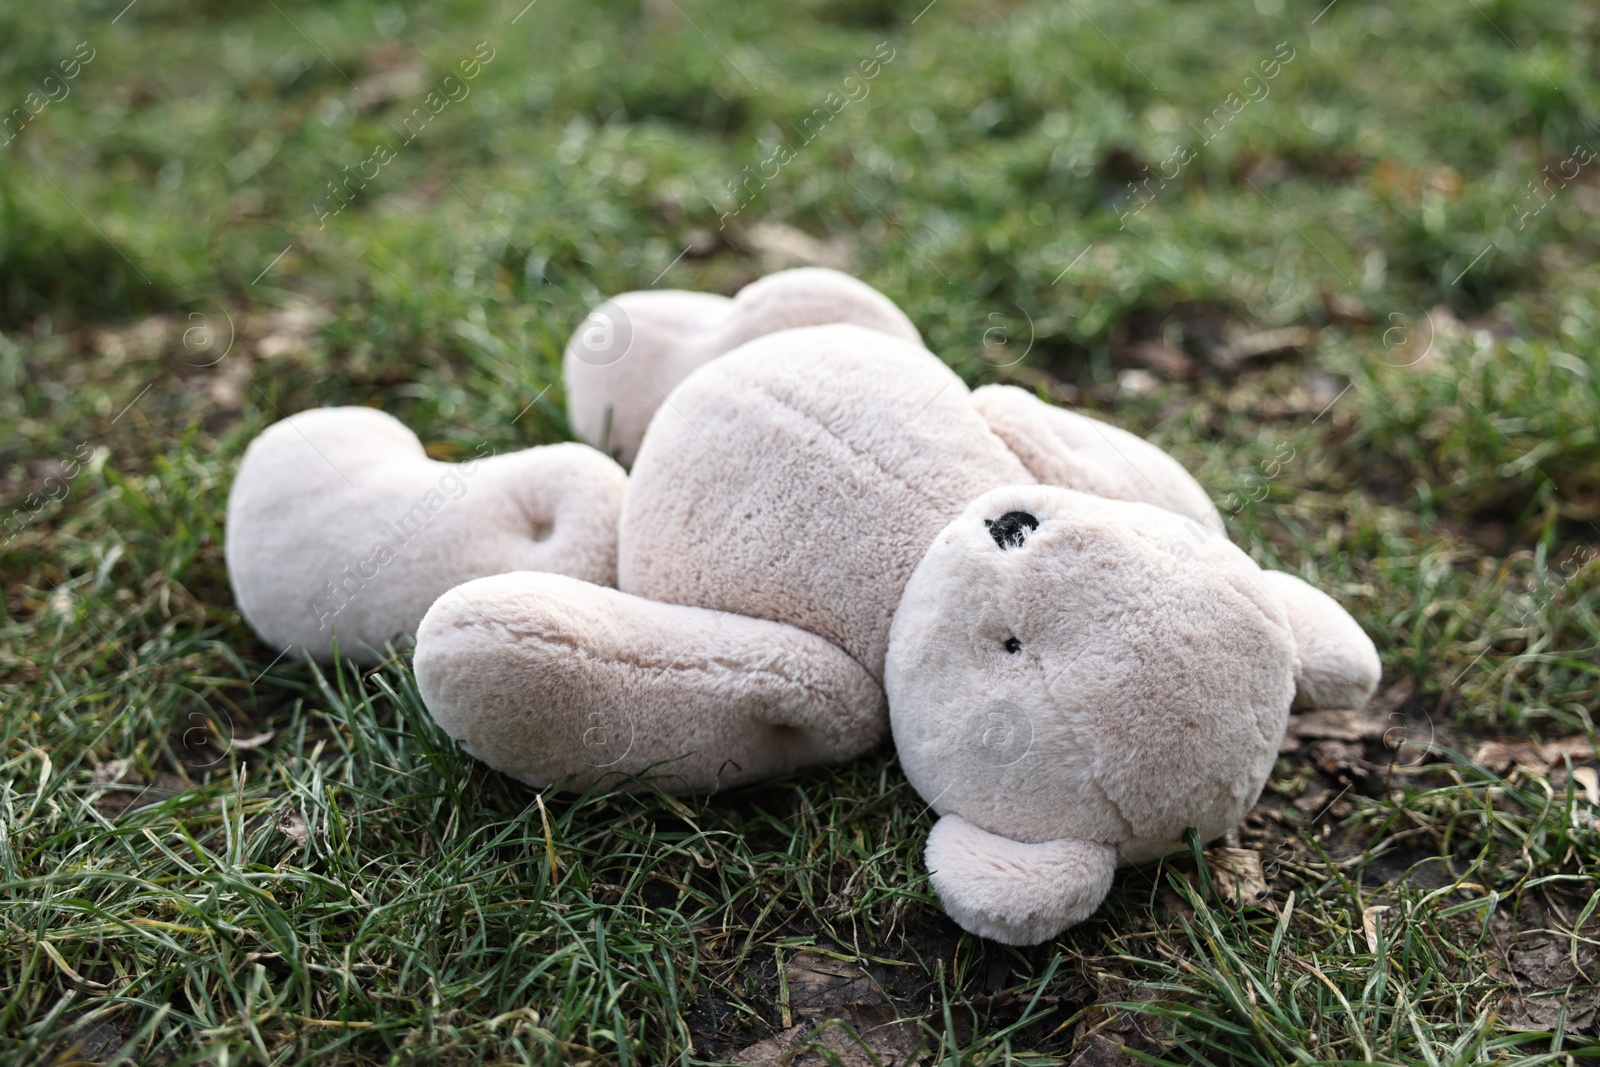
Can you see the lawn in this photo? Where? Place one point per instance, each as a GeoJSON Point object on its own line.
{"type": "Point", "coordinates": [1340, 260]}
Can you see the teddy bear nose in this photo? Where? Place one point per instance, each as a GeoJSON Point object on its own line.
{"type": "Point", "coordinates": [1012, 528]}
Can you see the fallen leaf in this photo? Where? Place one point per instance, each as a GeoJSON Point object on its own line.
{"type": "Point", "coordinates": [293, 827]}
{"type": "Point", "coordinates": [1167, 361]}
{"type": "Point", "coordinates": [703, 242]}
{"type": "Point", "coordinates": [1137, 382]}
{"type": "Point", "coordinates": [834, 1041]}
{"type": "Point", "coordinates": [1338, 758]}
{"type": "Point", "coordinates": [1316, 797]}
{"type": "Point", "coordinates": [1345, 310]}
{"type": "Point", "coordinates": [1369, 924]}
{"type": "Point", "coordinates": [112, 771]}
{"type": "Point", "coordinates": [1544, 962]}
{"type": "Point", "coordinates": [1590, 780]}
{"type": "Point", "coordinates": [226, 391]}
{"type": "Point", "coordinates": [145, 338]}
{"type": "Point", "coordinates": [1550, 986]}
{"type": "Point", "coordinates": [1541, 1013]}
{"type": "Point", "coordinates": [392, 72]}
{"type": "Point", "coordinates": [844, 1018]}
{"type": "Point", "coordinates": [818, 982]}
{"type": "Point", "coordinates": [1101, 1051]}
{"type": "Point", "coordinates": [1236, 875]}
{"type": "Point", "coordinates": [1422, 339]}
{"type": "Point", "coordinates": [1342, 724]}
{"type": "Point", "coordinates": [1242, 347]}
{"type": "Point", "coordinates": [780, 246]}
{"type": "Point", "coordinates": [1501, 754]}
{"type": "Point", "coordinates": [1394, 179]}
{"type": "Point", "coordinates": [379, 89]}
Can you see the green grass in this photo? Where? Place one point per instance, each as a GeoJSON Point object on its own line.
{"type": "Point", "coordinates": [207, 856]}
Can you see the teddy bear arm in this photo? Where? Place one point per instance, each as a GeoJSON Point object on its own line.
{"type": "Point", "coordinates": [1073, 451]}
{"type": "Point", "coordinates": [1013, 892]}
{"type": "Point", "coordinates": [1337, 664]}
{"type": "Point", "coordinates": [561, 683]}
{"type": "Point", "coordinates": [810, 296]}
{"type": "Point", "coordinates": [634, 349]}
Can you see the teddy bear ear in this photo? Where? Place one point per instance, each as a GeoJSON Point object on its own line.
{"type": "Point", "coordinates": [1338, 665]}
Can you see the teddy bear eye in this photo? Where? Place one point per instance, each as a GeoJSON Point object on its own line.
{"type": "Point", "coordinates": [1013, 645]}
{"type": "Point", "coordinates": [1011, 529]}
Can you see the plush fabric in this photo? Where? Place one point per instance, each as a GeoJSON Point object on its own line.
{"type": "Point", "coordinates": [1012, 892]}
{"type": "Point", "coordinates": [1092, 680]}
{"type": "Point", "coordinates": [635, 348]}
{"type": "Point", "coordinates": [1064, 448]}
{"type": "Point", "coordinates": [586, 683]}
{"type": "Point", "coordinates": [758, 492]}
{"type": "Point", "coordinates": [827, 537]}
{"type": "Point", "coordinates": [341, 530]}
{"type": "Point", "coordinates": [1338, 667]}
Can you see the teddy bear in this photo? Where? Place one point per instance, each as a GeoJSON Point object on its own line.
{"type": "Point", "coordinates": [826, 538]}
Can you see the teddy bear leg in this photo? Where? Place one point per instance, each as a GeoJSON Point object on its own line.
{"type": "Point", "coordinates": [561, 683]}
{"type": "Point", "coordinates": [1012, 892]}
{"type": "Point", "coordinates": [341, 531]}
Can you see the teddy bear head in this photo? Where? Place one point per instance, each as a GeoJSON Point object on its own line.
{"type": "Point", "coordinates": [1075, 681]}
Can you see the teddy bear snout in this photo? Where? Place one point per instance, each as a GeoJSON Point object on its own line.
{"type": "Point", "coordinates": [1011, 529]}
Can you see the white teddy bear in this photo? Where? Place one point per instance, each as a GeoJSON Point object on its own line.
{"type": "Point", "coordinates": [825, 536]}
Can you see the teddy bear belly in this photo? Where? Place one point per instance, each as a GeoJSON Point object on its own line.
{"type": "Point", "coordinates": [801, 478]}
